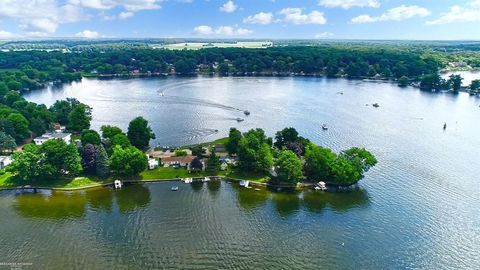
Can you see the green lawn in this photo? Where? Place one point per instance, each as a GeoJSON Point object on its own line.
{"type": "Point", "coordinates": [7, 181]}
{"type": "Point", "coordinates": [208, 144]}
{"type": "Point", "coordinates": [251, 176]}
{"type": "Point", "coordinates": [169, 173]}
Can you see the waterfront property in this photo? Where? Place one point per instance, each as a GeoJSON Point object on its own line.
{"type": "Point", "coordinates": [67, 137]}
{"type": "Point", "coordinates": [5, 161]}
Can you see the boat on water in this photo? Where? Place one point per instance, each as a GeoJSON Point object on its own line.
{"type": "Point", "coordinates": [174, 188]}
{"type": "Point", "coordinates": [240, 119]}
{"type": "Point", "coordinates": [321, 186]}
{"type": "Point", "coordinates": [246, 113]}
{"type": "Point", "coordinates": [188, 180]}
{"type": "Point", "coordinates": [244, 183]}
{"type": "Point", "coordinates": [376, 105]}
{"type": "Point", "coordinates": [206, 179]}
{"type": "Point", "coordinates": [324, 127]}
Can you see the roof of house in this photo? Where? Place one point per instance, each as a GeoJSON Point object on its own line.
{"type": "Point", "coordinates": [186, 159]}
{"type": "Point", "coordinates": [5, 158]}
{"type": "Point", "coordinates": [47, 136]}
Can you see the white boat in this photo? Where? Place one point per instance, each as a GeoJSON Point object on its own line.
{"type": "Point", "coordinates": [244, 183]}
{"type": "Point", "coordinates": [188, 180]}
{"type": "Point", "coordinates": [117, 184]}
{"type": "Point", "coordinates": [174, 188]}
{"type": "Point", "coordinates": [206, 179]}
{"type": "Point", "coordinates": [321, 186]}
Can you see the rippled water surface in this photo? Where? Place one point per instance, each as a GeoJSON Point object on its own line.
{"type": "Point", "coordinates": [418, 208]}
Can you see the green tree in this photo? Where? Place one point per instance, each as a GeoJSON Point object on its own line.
{"type": "Point", "coordinates": [89, 136]}
{"type": "Point", "coordinates": [120, 139]}
{"type": "Point", "coordinates": [108, 132]}
{"type": "Point", "coordinates": [139, 133]}
{"type": "Point", "coordinates": [361, 159]}
{"type": "Point", "coordinates": [101, 161]}
{"type": "Point", "coordinates": [198, 151]}
{"type": "Point", "coordinates": [318, 162]}
{"type": "Point", "coordinates": [284, 136]}
{"type": "Point", "coordinates": [60, 159]}
{"type": "Point", "coordinates": [180, 153]}
{"type": "Point", "coordinates": [213, 164]}
{"type": "Point", "coordinates": [196, 164]}
{"type": "Point", "coordinates": [254, 151]}
{"type": "Point", "coordinates": [475, 86]}
{"type": "Point", "coordinates": [20, 126]}
{"type": "Point", "coordinates": [234, 138]}
{"type": "Point", "coordinates": [455, 81]}
{"type": "Point", "coordinates": [403, 81]}
{"type": "Point", "coordinates": [127, 161]}
{"type": "Point", "coordinates": [28, 164]}
{"type": "Point", "coordinates": [289, 167]}
{"type": "Point", "coordinates": [79, 118]}
{"type": "Point", "coordinates": [62, 109]}
{"type": "Point", "coordinates": [3, 89]}
{"type": "Point", "coordinates": [7, 143]}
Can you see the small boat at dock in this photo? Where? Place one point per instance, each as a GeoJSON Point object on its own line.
{"type": "Point", "coordinates": [117, 184]}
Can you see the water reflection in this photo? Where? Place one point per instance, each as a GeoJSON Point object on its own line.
{"type": "Point", "coordinates": [62, 205]}
{"type": "Point", "coordinates": [289, 202]}
{"type": "Point", "coordinates": [131, 198]}
{"type": "Point", "coordinates": [197, 185]}
{"type": "Point", "coordinates": [214, 187]}
{"type": "Point", "coordinates": [250, 198]}
{"type": "Point", "coordinates": [58, 205]}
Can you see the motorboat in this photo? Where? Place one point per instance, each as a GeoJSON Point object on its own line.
{"type": "Point", "coordinates": [324, 127]}
{"type": "Point", "coordinates": [174, 188]}
{"type": "Point", "coordinates": [240, 119]}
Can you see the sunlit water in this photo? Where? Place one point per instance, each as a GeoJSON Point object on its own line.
{"type": "Point", "coordinates": [418, 208]}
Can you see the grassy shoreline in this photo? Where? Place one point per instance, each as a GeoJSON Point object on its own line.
{"type": "Point", "coordinates": [8, 181]}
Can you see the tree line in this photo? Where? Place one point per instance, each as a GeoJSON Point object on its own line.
{"type": "Point", "coordinates": [294, 158]}
{"type": "Point", "coordinates": [111, 153]}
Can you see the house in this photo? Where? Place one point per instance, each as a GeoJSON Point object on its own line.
{"type": "Point", "coordinates": [58, 128]}
{"type": "Point", "coordinates": [177, 161]}
{"type": "Point", "coordinates": [220, 148]}
{"type": "Point", "coordinates": [5, 161]}
{"type": "Point", "coordinates": [152, 163]}
{"type": "Point", "coordinates": [223, 166]}
{"type": "Point", "coordinates": [67, 137]}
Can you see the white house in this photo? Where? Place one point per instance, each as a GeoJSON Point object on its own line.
{"type": "Point", "coordinates": [5, 161]}
{"type": "Point", "coordinates": [67, 137]}
{"type": "Point", "coordinates": [152, 163]}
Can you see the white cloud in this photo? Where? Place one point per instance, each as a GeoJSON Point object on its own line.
{"type": "Point", "coordinates": [400, 13]}
{"type": "Point", "coordinates": [125, 15]}
{"type": "Point", "coordinates": [203, 30]}
{"type": "Point", "coordinates": [222, 30]}
{"type": "Point", "coordinates": [87, 34]}
{"type": "Point", "coordinates": [229, 7]}
{"type": "Point", "coordinates": [259, 18]}
{"type": "Point", "coordinates": [6, 35]}
{"type": "Point", "coordinates": [296, 16]}
{"type": "Point", "coordinates": [324, 35]}
{"type": "Point", "coordinates": [129, 5]}
{"type": "Point", "coordinates": [40, 17]}
{"type": "Point", "coordinates": [459, 14]}
{"type": "Point", "coordinates": [346, 4]}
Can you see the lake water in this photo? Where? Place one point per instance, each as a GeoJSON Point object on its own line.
{"type": "Point", "coordinates": [418, 208]}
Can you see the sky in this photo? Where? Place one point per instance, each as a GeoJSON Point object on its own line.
{"type": "Point", "coordinates": [242, 19]}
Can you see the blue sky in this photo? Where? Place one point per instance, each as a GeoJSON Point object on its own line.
{"type": "Point", "coordinates": [263, 19]}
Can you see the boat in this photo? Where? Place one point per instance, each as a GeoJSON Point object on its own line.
{"type": "Point", "coordinates": [376, 105]}
{"type": "Point", "coordinates": [240, 119]}
{"type": "Point", "coordinates": [324, 127]}
{"type": "Point", "coordinates": [206, 179]}
{"type": "Point", "coordinates": [117, 184]}
{"type": "Point", "coordinates": [188, 180]}
{"type": "Point", "coordinates": [174, 188]}
{"type": "Point", "coordinates": [246, 113]}
{"type": "Point", "coordinates": [244, 183]}
{"type": "Point", "coordinates": [321, 186]}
